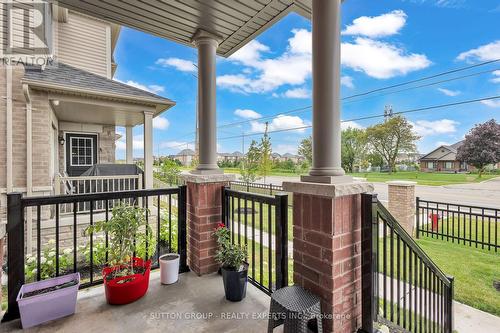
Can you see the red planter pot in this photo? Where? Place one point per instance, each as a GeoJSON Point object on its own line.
{"type": "Point", "coordinates": [124, 293]}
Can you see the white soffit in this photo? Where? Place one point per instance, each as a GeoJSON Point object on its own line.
{"type": "Point", "coordinates": [237, 22]}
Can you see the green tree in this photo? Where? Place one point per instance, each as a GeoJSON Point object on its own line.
{"type": "Point", "coordinates": [305, 149]}
{"type": "Point", "coordinates": [375, 159]}
{"type": "Point", "coordinates": [250, 165]}
{"type": "Point", "coordinates": [265, 160]}
{"type": "Point", "coordinates": [170, 171]}
{"type": "Point", "coordinates": [392, 137]}
{"type": "Point", "coordinates": [353, 147]}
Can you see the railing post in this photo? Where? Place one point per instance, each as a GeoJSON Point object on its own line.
{"type": "Point", "coordinates": [224, 208]}
{"type": "Point", "coordinates": [368, 261]}
{"type": "Point", "coordinates": [182, 232]}
{"type": "Point", "coordinates": [281, 240]}
{"type": "Point", "coordinates": [450, 318]}
{"type": "Point", "coordinates": [417, 232]}
{"type": "Point", "coordinates": [15, 253]}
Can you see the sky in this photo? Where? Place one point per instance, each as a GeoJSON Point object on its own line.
{"type": "Point", "coordinates": [384, 43]}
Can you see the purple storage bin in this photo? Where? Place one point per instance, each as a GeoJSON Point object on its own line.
{"type": "Point", "coordinates": [49, 306]}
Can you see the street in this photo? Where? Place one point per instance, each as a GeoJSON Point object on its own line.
{"type": "Point", "coordinates": [485, 194]}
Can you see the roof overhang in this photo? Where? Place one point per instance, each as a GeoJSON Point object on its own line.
{"type": "Point", "coordinates": [91, 106]}
{"type": "Point", "coordinates": [237, 22]}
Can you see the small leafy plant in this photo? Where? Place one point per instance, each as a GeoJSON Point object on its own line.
{"type": "Point", "coordinates": [127, 229]}
{"type": "Point", "coordinates": [229, 256]}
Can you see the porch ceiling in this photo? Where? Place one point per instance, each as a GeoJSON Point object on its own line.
{"type": "Point", "coordinates": [82, 110]}
{"type": "Point", "coordinates": [237, 22]}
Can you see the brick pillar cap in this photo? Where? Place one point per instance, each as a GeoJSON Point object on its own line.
{"type": "Point", "coordinates": [401, 183]}
{"type": "Point", "coordinates": [328, 190]}
{"type": "Point", "coordinates": [216, 178]}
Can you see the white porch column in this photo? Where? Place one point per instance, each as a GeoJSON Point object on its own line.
{"type": "Point", "coordinates": [207, 44]}
{"type": "Point", "coordinates": [326, 27]}
{"type": "Point", "coordinates": [129, 144]}
{"type": "Point", "coordinates": [148, 149]}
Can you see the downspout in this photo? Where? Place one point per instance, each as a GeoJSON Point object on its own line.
{"type": "Point", "coordinates": [8, 122]}
{"type": "Point", "coordinates": [29, 167]}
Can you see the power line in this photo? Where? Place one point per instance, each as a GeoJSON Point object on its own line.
{"type": "Point", "coordinates": [374, 116]}
{"type": "Point", "coordinates": [306, 108]}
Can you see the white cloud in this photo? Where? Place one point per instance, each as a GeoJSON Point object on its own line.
{"type": "Point", "coordinates": [377, 26]}
{"type": "Point", "coordinates": [293, 67]}
{"type": "Point", "coordinates": [281, 122]}
{"type": "Point", "coordinates": [247, 114]}
{"type": "Point", "coordinates": [284, 148]}
{"type": "Point", "coordinates": [250, 54]}
{"type": "Point", "coordinates": [381, 60]}
{"type": "Point", "coordinates": [138, 142]}
{"type": "Point", "coordinates": [492, 103]}
{"type": "Point", "coordinates": [442, 143]}
{"type": "Point", "coordinates": [161, 123]}
{"type": "Point", "coordinates": [496, 79]}
{"type": "Point", "coordinates": [483, 53]}
{"type": "Point", "coordinates": [347, 81]}
{"type": "Point", "coordinates": [451, 93]}
{"type": "Point", "coordinates": [153, 88]}
{"type": "Point", "coordinates": [350, 124]}
{"type": "Point", "coordinates": [426, 127]}
{"type": "Point", "coordinates": [179, 64]}
{"type": "Point", "coordinates": [297, 93]}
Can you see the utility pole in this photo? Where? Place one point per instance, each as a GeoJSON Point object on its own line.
{"type": "Point", "coordinates": [388, 112]}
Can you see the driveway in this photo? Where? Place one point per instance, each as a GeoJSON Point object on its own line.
{"type": "Point", "coordinates": [485, 194]}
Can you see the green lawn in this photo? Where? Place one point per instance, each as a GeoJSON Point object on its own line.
{"type": "Point", "coordinates": [474, 270]}
{"type": "Point", "coordinates": [425, 178]}
{"type": "Point", "coordinates": [422, 178]}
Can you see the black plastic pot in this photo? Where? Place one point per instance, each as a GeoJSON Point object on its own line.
{"type": "Point", "coordinates": [235, 283]}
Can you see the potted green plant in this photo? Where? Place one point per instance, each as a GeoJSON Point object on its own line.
{"type": "Point", "coordinates": [232, 258]}
{"type": "Point", "coordinates": [126, 277]}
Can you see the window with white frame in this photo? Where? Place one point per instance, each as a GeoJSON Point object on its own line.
{"type": "Point", "coordinates": [448, 165]}
{"type": "Point", "coordinates": [430, 165]}
{"type": "Point", "coordinates": [82, 151]}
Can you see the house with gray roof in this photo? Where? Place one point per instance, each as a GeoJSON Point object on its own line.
{"type": "Point", "coordinates": [185, 156]}
{"type": "Point", "coordinates": [444, 159]}
{"type": "Point", "coordinates": [61, 119]}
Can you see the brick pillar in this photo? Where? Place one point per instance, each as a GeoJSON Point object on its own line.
{"type": "Point", "coordinates": [327, 248]}
{"type": "Point", "coordinates": [402, 203]}
{"type": "Point", "coordinates": [204, 211]}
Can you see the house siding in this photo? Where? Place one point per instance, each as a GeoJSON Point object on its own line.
{"type": "Point", "coordinates": [85, 43]}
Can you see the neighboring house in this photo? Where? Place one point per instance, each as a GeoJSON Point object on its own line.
{"type": "Point", "coordinates": [276, 157]}
{"type": "Point", "coordinates": [63, 117]}
{"type": "Point", "coordinates": [406, 157]}
{"type": "Point", "coordinates": [444, 159]}
{"type": "Point", "coordinates": [292, 157]}
{"type": "Point", "coordinates": [230, 157]}
{"type": "Point", "coordinates": [185, 156]}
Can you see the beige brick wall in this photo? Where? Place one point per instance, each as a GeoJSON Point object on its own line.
{"type": "Point", "coordinates": [107, 145]}
{"type": "Point", "coordinates": [402, 203]}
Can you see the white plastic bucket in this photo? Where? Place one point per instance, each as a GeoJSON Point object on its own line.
{"type": "Point", "coordinates": [169, 268]}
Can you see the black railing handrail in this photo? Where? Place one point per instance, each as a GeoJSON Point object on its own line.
{"type": "Point", "coordinates": [252, 184]}
{"type": "Point", "coordinates": [249, 195]}
{"type": "Point", "coordinates": [65, 198]}
{"type": "Point", "coordinates": [457, 205]}
{"type": "Point", "coordinates": [387, 216]}
{"type": "Point", "coordinates": [16, 205]}
{"type": "Point", "coordinates": [280, 203]}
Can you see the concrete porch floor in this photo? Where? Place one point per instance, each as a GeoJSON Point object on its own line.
{"type": "Point", "coordinates": [194, 304]}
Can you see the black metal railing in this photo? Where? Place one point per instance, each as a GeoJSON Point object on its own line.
{"type": "Point", "coordinates": [456, 223]}
{"type": "Point", "coordinates": [260, 222]}
{"type": "Point", "coordinates": [408, 290]}
{"type": "Point", "coordinates": [261, 188]}
{"type": "Point", "coordinates": [61, 247]}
